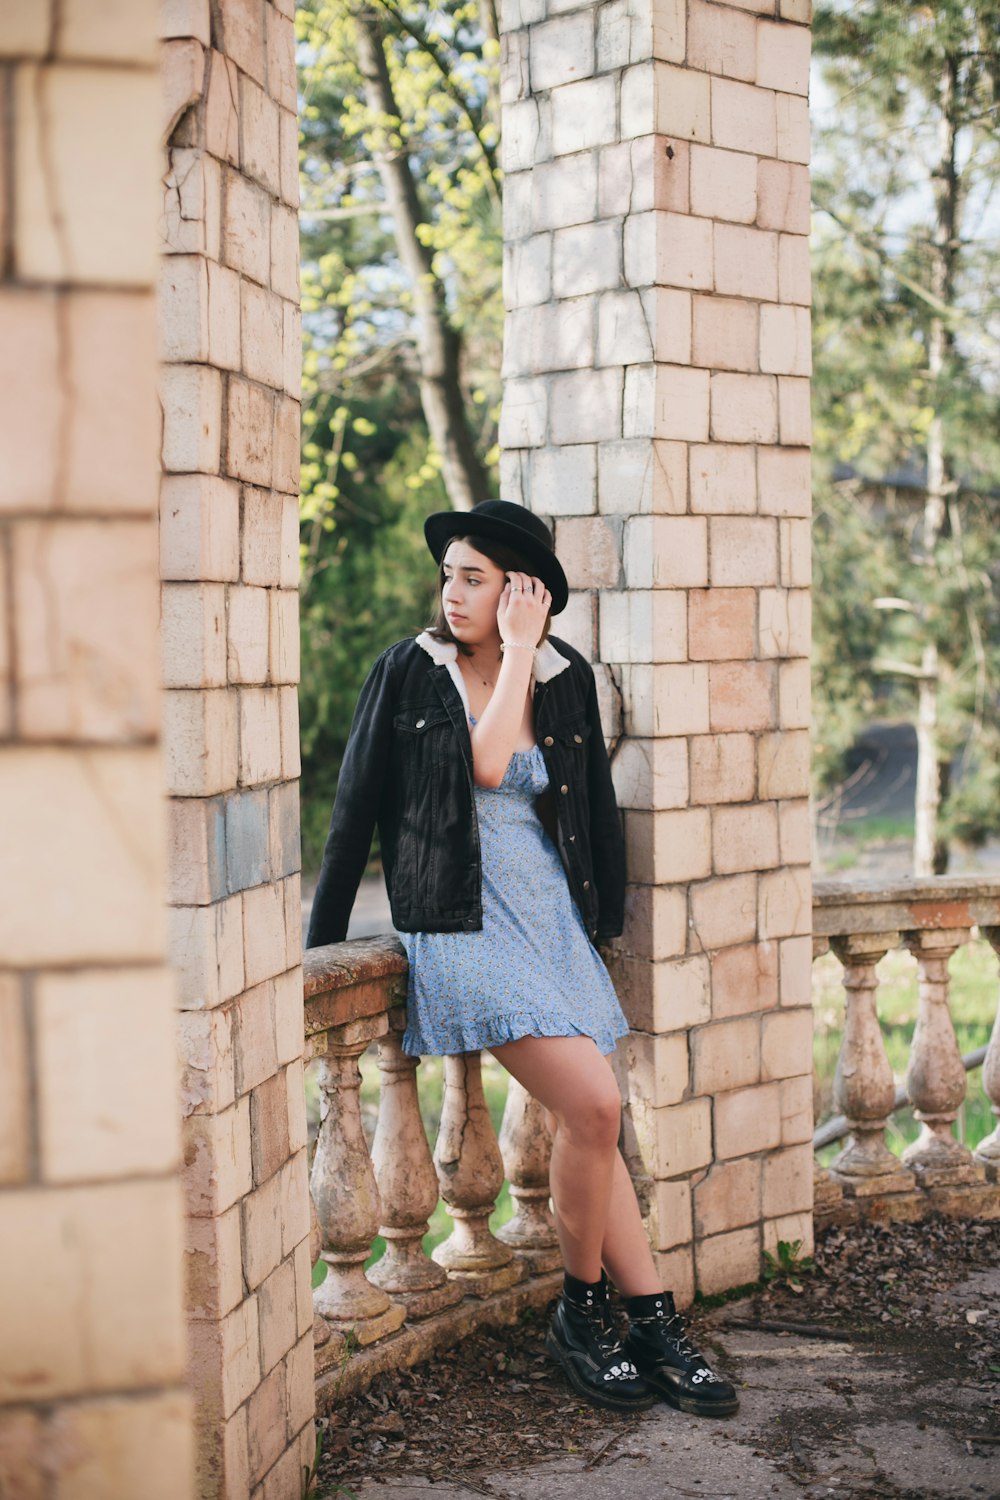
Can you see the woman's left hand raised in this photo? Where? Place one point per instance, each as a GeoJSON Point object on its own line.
{"type": "Point", "coordinates": [523, 609]}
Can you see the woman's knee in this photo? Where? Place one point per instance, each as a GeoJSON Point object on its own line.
{"type": "Point", "coordinates": [593, 1117]}
{"type": "Point", "coordinates": [575, 1085]}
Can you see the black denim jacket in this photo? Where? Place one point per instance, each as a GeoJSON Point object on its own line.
{"type": "Point", "coordinates": [408, 768]}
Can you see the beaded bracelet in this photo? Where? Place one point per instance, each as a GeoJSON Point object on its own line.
{"type": "Point", "coordinates": [518, 646]}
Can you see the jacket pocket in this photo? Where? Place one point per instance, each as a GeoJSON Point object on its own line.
{"type": "Point", "coordinates": [420, 722]}
{"type": "Point", "coordinates": [573, 736]}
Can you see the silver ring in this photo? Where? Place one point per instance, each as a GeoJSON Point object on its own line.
{"type": "Point", "coordinates": [516, 588]}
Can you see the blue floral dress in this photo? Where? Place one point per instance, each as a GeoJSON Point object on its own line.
{"type": "Point", "coordinates": [531, 970]}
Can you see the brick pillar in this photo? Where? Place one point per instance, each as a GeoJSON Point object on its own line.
{"type": "Point", "coordinates": [656, 408]}
{"type": "Point", "coordinates": [229, 561]}
{"type": "Point", "coordinates": [91, 1310]}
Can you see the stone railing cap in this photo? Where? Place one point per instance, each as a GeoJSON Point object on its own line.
{"type": "Point", "coordinates": [946, 901]}
{"type": "Point", "coordinates": [936, 887]}
{"type": "Point", "coordinates": [350, 983]}
{"type": "Point", "coordinates": [342, 966]}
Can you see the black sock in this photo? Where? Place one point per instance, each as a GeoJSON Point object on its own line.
{"type": "Point", "coordinates": [577, 1290]}
{"type": "Point", "coordinates": [650, 1305]}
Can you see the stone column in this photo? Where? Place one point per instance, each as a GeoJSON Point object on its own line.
{"type": "Point", "coordinates": [229, 563]}
{"type": "Point", "coordinates": [656, 408]}
{"type": "Point", "coordinates": [91, 1309]}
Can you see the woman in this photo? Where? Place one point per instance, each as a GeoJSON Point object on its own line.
{"type": "Point", "coordinates": [477, 749]}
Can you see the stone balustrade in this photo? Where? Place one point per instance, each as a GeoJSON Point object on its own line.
{"type": "Point", "coordinates": [409, 1304]}
{"type": "Point", "coordinates": [860, 922]}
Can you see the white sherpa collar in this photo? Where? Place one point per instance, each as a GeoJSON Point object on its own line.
{"type": "Point", "coordinates": [548, 662]}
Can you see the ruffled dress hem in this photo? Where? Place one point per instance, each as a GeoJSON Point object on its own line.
{"type": "Point", "coordinates": [531, 969]}
{"type": "Point", "coordinates": [510, 1028]}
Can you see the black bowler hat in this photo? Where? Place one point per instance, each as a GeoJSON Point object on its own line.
{"type": "Point", "coordinates": [511, 524]}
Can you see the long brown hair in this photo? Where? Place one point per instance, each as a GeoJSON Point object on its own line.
{"type": "Point", "coordinates": [506, 558]}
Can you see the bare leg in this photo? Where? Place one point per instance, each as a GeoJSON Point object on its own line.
{"type": "Point", "coordinates": [575, 1083]}
{"type": "Point", "coordinates": [655, 1345]}
{"type": "Point", "coordinates": [597, 1212]}
{"type": "Point", "coordinates": [625, 1251]}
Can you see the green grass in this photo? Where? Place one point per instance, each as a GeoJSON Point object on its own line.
{"type": "Point", "coordinates": [875, 830]}
{"type": "Point", "coordinates": [973, 1004]}
{"type": "Point", "coordinates": [842, 846]}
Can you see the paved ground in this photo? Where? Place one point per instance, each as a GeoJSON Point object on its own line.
{"type": "Point", "coordinates": [879, 786]}
{"type": "Point", "coordinates": [818, 1418]}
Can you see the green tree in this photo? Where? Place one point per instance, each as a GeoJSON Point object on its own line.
{"type": "Point", "coordinates": [402, 323]}
{"type": "Point", "coordinates": [907, 384]}
{"type": "Point", "coordinates": [373, 584]}
{"type": "Point", "coordinates": [401, 218]}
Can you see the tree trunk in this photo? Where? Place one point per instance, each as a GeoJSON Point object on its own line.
{"type": "Point", "coordinates": [490, 27]}
{"type": "Point", "coordinates": [927, 851]}
{"type": "Point", "coordinates": [438, 343]}
{"type": "Point", "coordinates": [942, 850]}
{"type": "Point", "coordinates": [488, 20]}
{"type": "Point", "coordinates": [928, 786]}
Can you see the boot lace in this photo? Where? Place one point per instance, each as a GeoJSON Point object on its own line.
{"type": "Point", "coordinates": [676, 1330]}
{"type": "Point", "coordinates": [601, 1326]}
{"type": "Point", "coordinates": [605, 1334]}
{"type": "Point", "coordinates": [614, 1365]}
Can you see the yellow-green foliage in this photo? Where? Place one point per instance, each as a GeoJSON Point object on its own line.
{"type": "Point", "coordinates": [892, 282]}
{"type": "Point", "coordinates": [356, 303]}
{"type": "Point", "coordinates": [370, 473]}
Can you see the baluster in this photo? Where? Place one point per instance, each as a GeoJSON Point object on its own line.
{"type": "Point", "coordinates": [526, 1148]}
{"type": "Point", "coordinates": [323, 1334]}
{"type": "Point", "coordinates": [470, 1175]}
{"type": "Point", "coordinates": [935, 1077]}
{"type": "Point", "coordinates": [987, 1153]}
{"type": "Point", "coordinates": [864, 1089]}
{"type": "Point", "coordinates": [344, 1189]}
{"type": "Point", "coordinates": [407, 1187]}
{"type": "Point", "coordinates": [828, 1194]}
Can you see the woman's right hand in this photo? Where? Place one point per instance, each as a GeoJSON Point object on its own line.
{"type": "Point", "coordinates": [521, 613]}
{"type": "Point", "coordinates": [523, 609]}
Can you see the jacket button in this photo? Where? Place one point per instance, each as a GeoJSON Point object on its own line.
{"type": "Point", "coordinates": [548, 740]}
{"type": "Point", "coordinates": [421, 723]}
{"type": "Point", "coordinates": [578, 738]}
{"type": "Point", "coordinates": [564, 790]}
{"type": "Point", "coordinates": [586, 885]}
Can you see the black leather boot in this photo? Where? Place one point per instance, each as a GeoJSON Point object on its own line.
{"type": "Point", "coordinates": [658, 1345]}
{"type": "Point", "coordinates": [585, 1341]}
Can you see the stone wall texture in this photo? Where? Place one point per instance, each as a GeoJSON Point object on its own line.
{"type": "Point", "coordinates": [92, 1328]}
{"type": "Point", "coordinates": [656, 410]}
{"type": "Point", "coordinates": [230, 345]}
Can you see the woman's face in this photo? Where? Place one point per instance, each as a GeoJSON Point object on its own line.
{"type": "Point", "coordinates": [471, 593]}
